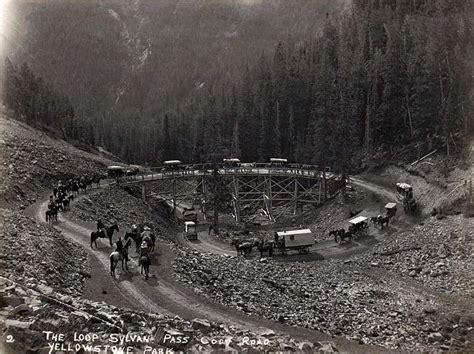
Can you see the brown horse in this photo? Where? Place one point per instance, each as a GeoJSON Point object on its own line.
{"type": "Point", "coordinates": [107, 233]}
{"type": "Point", "coordinates": [242, 248]}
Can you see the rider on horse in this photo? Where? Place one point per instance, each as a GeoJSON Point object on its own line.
{"type": "Point", "coordinates": [119, 248]}
{"type": "Point", "coordinates": [100, 225]}
{"type": "Point", "coordinates": [134, 229]}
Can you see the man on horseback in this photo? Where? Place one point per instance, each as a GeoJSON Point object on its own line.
{"type": "Point", "coordinates": [100, 226]}
{"type": "Point", "coordinates": [119, 248]}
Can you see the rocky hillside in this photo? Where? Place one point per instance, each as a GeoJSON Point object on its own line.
{"type": "Point", "coordinates": [31, 163]}
{"type": "Point", "coordinates": [29, 311]}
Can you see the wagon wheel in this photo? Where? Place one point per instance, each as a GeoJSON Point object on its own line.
{"type": "Point", "coordinates": [338, 239]}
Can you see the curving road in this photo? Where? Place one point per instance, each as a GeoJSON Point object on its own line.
{"type": "Point", "coordinates": [162, 294]}
{"type": "Point", "coordinates": [323, 249]}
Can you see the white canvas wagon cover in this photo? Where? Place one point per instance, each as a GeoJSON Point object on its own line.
{"type": "Point", "coordinates": [404, 185]}
{"type": "Point", "coordinates": [358, 220]}
{"type": "Point", "coordinates": [293, 232]}
{"type": "Point", "coordinates": [390, 205]}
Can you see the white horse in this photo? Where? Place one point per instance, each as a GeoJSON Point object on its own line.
{"type": "Point", "coordinates": [117, 256]}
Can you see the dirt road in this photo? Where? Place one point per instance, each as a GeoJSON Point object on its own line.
{"type": "Point", "coordinates": [323, 249]}
{"type": "Point", "coordinates": [161, 293]}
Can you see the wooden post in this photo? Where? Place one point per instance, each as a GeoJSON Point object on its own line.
{"type": "Point", "coordinates": [295, 196]}
{"type": "Point", "coordinates": [236, 200]}
{"type": "Point", "coordinates": [174, 195]}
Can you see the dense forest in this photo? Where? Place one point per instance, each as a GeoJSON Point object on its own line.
{"type": "Point", "coordinates": [322, 82]}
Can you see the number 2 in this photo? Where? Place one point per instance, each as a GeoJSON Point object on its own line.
{"type": "Point", "coordinates": [10, 339]}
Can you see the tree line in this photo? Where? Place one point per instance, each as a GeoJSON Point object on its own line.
{"type": "Point", "coordinates": [386, 74]}
{"type": "Point", "coordinates": [381, 76]}
{"type": "Point", "coordinates": [33, 100]}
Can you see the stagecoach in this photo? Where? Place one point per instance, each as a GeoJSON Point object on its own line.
{"type": "Point", "coordinates": [391, 209]}
{"type": "Point", "coordinates": [231, 163]}
{"type": "Point", "coordinates": [300, 240]}
{"type": "Point", "coordinates": [277, 162]}
{"type": "Point", "coordinates": [359, 226]}
{"type": "Point", "coordinates": [115, 171]}
{"type": "Point", "coordinates": [171, 165]}
{"type": "Point", "coordinates": [405, 194]}
{"type": "Point", "coordinates": [189, 215]}
{"type": "Point", "coordinates": [190, 230]}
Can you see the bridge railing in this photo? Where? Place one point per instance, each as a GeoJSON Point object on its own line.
{"type": "Point", "coordinates": [198, 170]}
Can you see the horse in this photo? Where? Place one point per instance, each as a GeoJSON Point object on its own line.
{"type": "Point", "coordinates": [75, 188]}
{"type": "Point", "coordinates": [242, 248]}
{"type": "Point", "coordinates": [82, 186]}
{"type": "Point", "coordinates": [65, 204]}
{"type": "Point", "coordinates": [51, 215]}
{"type": "Point", "coordinates": [263, 246]}
{"type": "Point", "coordinates": [109, 231]}
{"type": "Point", "coordinates": [97, 180]}
{"type": "Point", "coordinates": [136, 237]}
{"type": "Point", "coordinates": [144, 262]}
{"type": "Point", "coordinates": [117, 256]}
{"type": "Point", "coordinates": [380, 220]}
{"type": "Point", "coordinates": [336, 234]}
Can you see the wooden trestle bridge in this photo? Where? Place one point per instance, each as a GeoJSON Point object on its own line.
{"type": "Point", "coordinates": [276, 190]}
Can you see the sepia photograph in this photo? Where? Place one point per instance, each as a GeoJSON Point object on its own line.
{"type": "Point", "coordinates": [236, 176]}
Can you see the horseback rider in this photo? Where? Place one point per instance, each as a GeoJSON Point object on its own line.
{"type": "Point", "coordinates": [100, 226]}
{"type": "Point", "coordinates": [51, 204]}
{"type": "Point", "coordinates": [119, 245]}
{"type": "Point", "coordinates": [134, 229]}
{"type": "Point", "coordinates": [146, 235]}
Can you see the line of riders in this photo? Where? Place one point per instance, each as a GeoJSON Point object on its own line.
{"type": "Point", "coordinates": [143, 236]}
{"type": "Point", "coordinates": [64, 194]}
{"type": "Point", "coordinates": [358, 229]}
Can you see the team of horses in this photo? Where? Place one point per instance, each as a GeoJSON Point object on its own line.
{"type": "Point", "coordinates": [342, 235]}
{"type": "Point", "coordinates": [244, 247]}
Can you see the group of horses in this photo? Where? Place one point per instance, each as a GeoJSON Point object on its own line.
{"type": "Point", "coordinates": [64, 194]}
{"type": "Point", "coordinates": [244, 247]}
{"type": "Point", "coordinates": [144, 239]}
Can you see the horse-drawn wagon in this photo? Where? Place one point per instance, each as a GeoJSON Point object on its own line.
{"type": "Point", "coordinates": [405, 194]}
{"type": "Point", "coordinates": [359, 226]}
{"type": "Point", "coordinates": [390, 209]}
{"type": "Point", "coordinates": [190, 230]}
{"type": "Point", "coordinates": [300, 240]}
{"type": "Point", "coordinates": [277, 162]}
{"type": "Point", "coordinates": [170, 166]}
{"type": "Point", "coordinates": [115, 171]}
{"type": "Point", "coordinates": [231, 163]}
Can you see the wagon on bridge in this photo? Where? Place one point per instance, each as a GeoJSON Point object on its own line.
{"type": "Point", "coordinates": [300, 240]}
{"type": "Point", "coordinates": [115, 171]}
{"type": "Point", "coordinates": [231, 163]}
{"type": "Point", "coordinates": [277, 162]}
{"type": "Point", "coordinates": [190, 230]}
{"type": "Point", "coordinates": [171, 166]}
